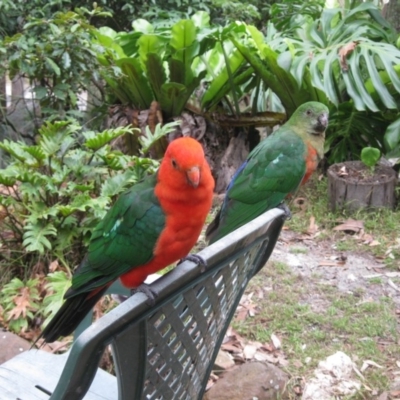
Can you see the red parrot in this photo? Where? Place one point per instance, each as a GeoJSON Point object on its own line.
{"type": "Point", "coordinates": [150, 226]}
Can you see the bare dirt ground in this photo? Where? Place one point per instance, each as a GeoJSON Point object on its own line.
{"type": "Point", "coordinates": [348, 271]}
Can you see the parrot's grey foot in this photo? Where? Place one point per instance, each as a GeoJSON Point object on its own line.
{"type": "Point", "coordinates": [148, 291]}
{"type": "Point", "coordinates": [199, 260]}
{"type": "Point", "coordinates": [285, 208]}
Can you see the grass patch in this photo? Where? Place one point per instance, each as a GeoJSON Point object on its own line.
{"type": "Point", "coordinates": [298, 250]}
{"type": "Point", "coordinates": [315, 320]}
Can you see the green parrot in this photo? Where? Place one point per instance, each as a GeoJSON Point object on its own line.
{"type": "Point", "coordinates": [274, 170]}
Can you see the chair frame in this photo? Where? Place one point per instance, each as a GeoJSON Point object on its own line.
{"type": "Point", "coordinates": [167, 350]}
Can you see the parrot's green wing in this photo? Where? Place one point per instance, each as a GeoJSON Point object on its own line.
{"type": "Point", "coordinates": [125, 238]}
{"type": "Point", "coordinates": [273, 169]}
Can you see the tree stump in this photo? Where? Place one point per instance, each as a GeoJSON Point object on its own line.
{"type": "Point", "coordinates": [352, 186]}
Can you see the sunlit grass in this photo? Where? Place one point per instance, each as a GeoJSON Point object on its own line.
{"type": "Point", "coordinates": [311, 332]}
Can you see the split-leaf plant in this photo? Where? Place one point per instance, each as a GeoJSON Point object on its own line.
{"type": "Point", "coordinates": [344, 57]}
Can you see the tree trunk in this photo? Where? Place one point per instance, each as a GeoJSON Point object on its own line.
{"type": "Point", "coordinates": [3, 94]}
{"type": "Point", "coordinates": [391, 12]}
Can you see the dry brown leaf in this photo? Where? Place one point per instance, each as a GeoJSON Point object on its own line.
{"type": "Point", "coordinates": [344, 51]}
{"type": "Point", "coordinates": [393, 285]}
{"type": "Point", "coordinates": [374, 243]}
{"type": "Point", "coordinates": [367, 238]}
{"type": "Point", "coordinates": [231, 348]}
{"type": "Point", "coordinates": [350, 225]}
{"type": "Point", "coordinates": [395, 394]}
{"type": "Point", "coordinates": [267, 347]}
{"type": "Point", "coordinates": [343, 171]}
{"type": "Point", "coordinates": [54, 265]}
{"type": "Point", "coordinates": [313, 227]}
{"type": "Point", "coordinates": [276, 341]}
{"type": "Point", "coordinates": [328, 264]}
{"type": "Point", "coordinates": [22, 304]}
{"type": "Point", "coordinates": [369, 363]}
{"type": "Point", "coordinates": [297, 364]}
{"type": "Point", "coordinates": [241, 314]}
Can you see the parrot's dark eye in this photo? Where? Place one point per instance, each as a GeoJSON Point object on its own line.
{"type": "Point", "coordinates": [174, 163]}
{"type": "Point", "coordinates": [308, 112]}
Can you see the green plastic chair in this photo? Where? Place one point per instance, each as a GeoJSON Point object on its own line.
{"type": "Point", "coordinates": [165, 351]}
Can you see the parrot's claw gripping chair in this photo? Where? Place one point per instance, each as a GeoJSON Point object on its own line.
{"type": "Point", "coordinates": [165, 351]}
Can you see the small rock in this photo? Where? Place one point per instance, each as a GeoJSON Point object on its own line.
{"type": "Point", "coordinates": [223, 362]}
{"type": "Point", "coordinates": [11, 345]}
{"type": "Point", "coordinates": [250, 380]}
{"type": "Point", "coordinates": [333, 378]}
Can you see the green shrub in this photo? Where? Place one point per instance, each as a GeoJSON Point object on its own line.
{"type": "Point", "coordinates": [55, 192]}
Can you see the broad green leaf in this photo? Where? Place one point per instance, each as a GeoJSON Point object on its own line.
{"type": "Point", "coordinates": [114, 186]}
{"type": "Point", "coordinates": [281, 82]}
{"type": "Point", "coordinates": [36, 152]}
{"type": "Point", "coordinates": [35, 236]}
{"type": "Point", "coordinates": [179, 72]}
{"type": "Point", "coordinates": [155, 73]}
{"type": "Point", "coordinates": [137, 85]}
{"type": "Point", "coordinates": [257, 36]}
{"type": "Point", "coordinates": [183, 34]}
{"type": "Point", "coordinates": [143, 26]}
{"type": "Point", "coordinates": [53, 66]}
{"type": "Point", "coordinates": [101, 139]}
{"type": "Point", "coordinates": [150, 44]}
{"type": "Point", "coordinates": [172, 98]}
{"type": "Point", "coordinates": [40, 92]}
{"type": "Point", "coordinates": [355, 63]}
{"type": "Point", "coordinates": [219, 86]}
{"type": "Point", "coordinates": [149, 139]}
{"type": "Point", "coordinates": [66, 60]}
{"type": "Point", "coordinates": [329, 84]}
{"type": "Point", "coordinates": [352, 91]}
{"type": "Point", "coordinates": [201, 19]}
{"type": "Point", "coordinates": [57, 284]}
{"type": "Point", "coordinates": [380, 88]}
{"type": "Point", "coordinates": [391, 138]}
{"type": "Point", "coordinates": [370, 156]}
{"type": "Point", "coordinates": [15, 150]}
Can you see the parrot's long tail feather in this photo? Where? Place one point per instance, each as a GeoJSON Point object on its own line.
{"type": "Point", "coordinates": [212, 228]}
{"type": "Point", "coordinates": [70, 315]}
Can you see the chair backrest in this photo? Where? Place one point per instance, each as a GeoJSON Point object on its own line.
{"type": "Point", "coordinates": [167, 351]}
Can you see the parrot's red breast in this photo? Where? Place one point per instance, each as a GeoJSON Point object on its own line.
{"type": "Point", "coordinates": [186, 199]}
{"type": "Point", "coordinates": [312, 161]}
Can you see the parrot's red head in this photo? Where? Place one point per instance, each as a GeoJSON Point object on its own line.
{"type": "Point", "coordinates": [184, 162]}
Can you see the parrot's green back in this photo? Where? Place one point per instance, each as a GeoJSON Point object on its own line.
{"type": "Point", "coordinates": [124, 238]}
{"type": "Point", "coordinates": [273, 170]}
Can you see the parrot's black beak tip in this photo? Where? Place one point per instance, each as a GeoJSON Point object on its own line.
{"type": "Point", "coordinates": [321, 125]}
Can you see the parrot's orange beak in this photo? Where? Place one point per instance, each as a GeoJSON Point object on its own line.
{"type": "Point", "coordinates": [193, 176]}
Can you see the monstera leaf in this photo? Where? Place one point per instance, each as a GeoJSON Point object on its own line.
{"type": "Point", "coordinates": [348, 54]}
